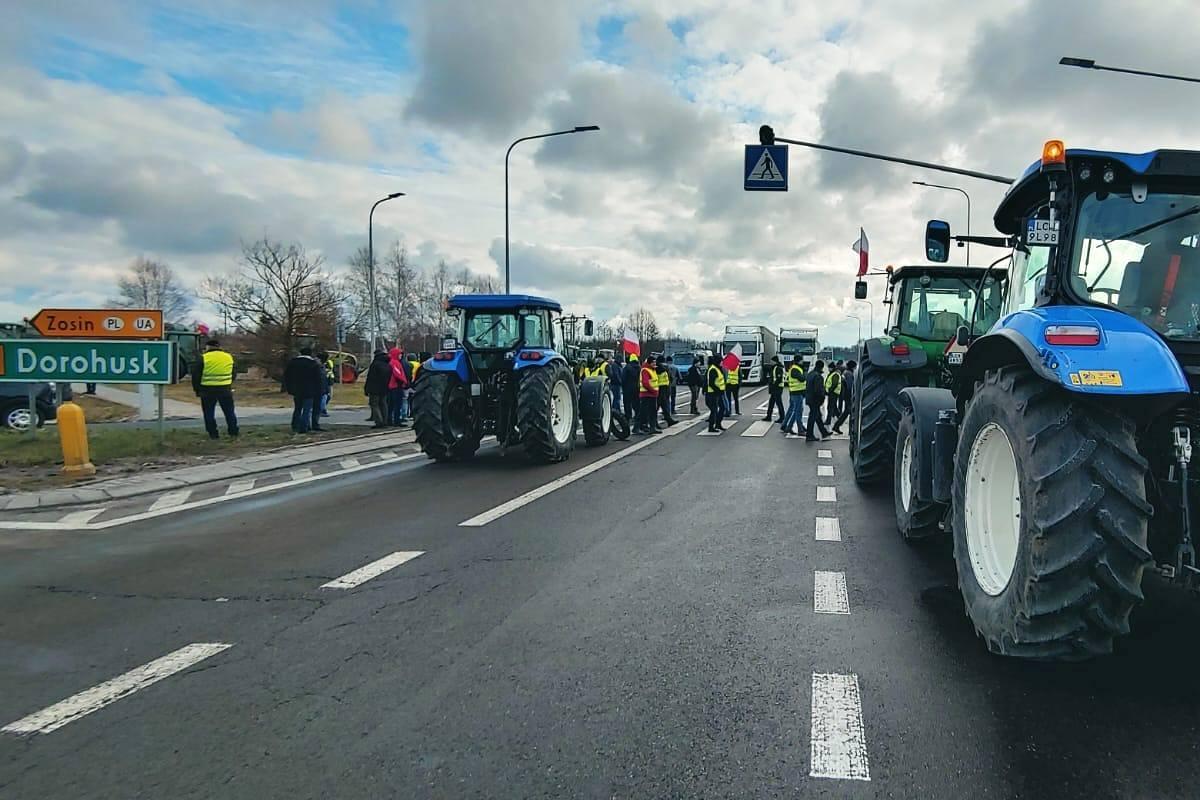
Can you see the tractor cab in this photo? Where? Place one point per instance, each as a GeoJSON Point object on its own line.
{"type": "Point", "coordinates": [928, 305]}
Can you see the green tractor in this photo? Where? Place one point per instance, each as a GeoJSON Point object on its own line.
{"type": "Point", "coordinates": [927, 307]}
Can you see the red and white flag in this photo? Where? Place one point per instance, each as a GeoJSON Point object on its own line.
{"type": "Point", "coordinates": [630, 343]}
{"type": "Point", "coordinates": [732, 359]}
{"type": "Point", "coordinates": [860, 247]}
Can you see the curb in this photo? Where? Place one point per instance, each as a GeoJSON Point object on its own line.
{"type": "Point", "coordinates": [269, 461]}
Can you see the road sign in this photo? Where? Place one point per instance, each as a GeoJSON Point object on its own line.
{"type": "Point", "coordinates": [36, 360]}
{"type": "Point", "coordinates": [98, 323]}
{"type": "Point", "coordinates": [766, 168]}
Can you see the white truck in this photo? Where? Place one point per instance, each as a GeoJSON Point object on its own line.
{"type": "Point", "coordinates": [759, 346]}
{"type": "Point", "coordinates": [800, 342]}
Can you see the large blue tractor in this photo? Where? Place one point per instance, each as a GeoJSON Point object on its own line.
{"type": "Point", "coordinates": [502, 374]}
{"type": "Point", "coordinates": [1062, 453]}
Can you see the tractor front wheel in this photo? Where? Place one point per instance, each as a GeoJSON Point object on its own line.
{"type": "Point", "coordinates": [875, 416]}
{"type": "Point", "coordinates": [915, 519]}
{"type": "Point", "coordinates": [547, 412]}
{"type": "Point", "coordinates": [1050, 518]}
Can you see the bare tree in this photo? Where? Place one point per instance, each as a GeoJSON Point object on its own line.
{"type": "Point", "coordinates": [153, 284]}
{"type": "Point", "coordinates": [401, 287]}
{"type": "Point", "coordinates": [278, 291]}
{"type": "Point", "coordinates": [641, 321]}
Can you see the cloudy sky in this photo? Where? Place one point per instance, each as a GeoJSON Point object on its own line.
{"type": "Point", "coordinates": [175, 130]}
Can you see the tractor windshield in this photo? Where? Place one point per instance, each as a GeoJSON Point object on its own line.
{"type": "Point", "coordinates": [491, 331]}
{"type": "Point", "coordinates": [1141, 258]}
{"type": "Point", "coordinates": [934, 307]}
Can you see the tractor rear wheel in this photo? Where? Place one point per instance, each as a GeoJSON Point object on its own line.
{"type": "Point", "coordinates": [1050, 518]}
{"type": "Point", "coordinates": [444, 417]}
{"type": "Point", "coordinates": [915, 519]}
{"type": "Point", "coordinates": [547, 412]}
{"type": "Point", "coordinates": [875, 416]}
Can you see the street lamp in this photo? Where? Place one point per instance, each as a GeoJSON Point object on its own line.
{"type": "Point", "coordinates": [576, 129]}
{"type": "Point", "coordinates": [871, 325]}
{"type": "Point", "coordinates": [1087, 63]}
{"type": "Point", "coordinates": [859, 319]}
{"type": "Point", "coordinates": [964, 194]}
{"type": "Point", "coordinates": [371, 265]}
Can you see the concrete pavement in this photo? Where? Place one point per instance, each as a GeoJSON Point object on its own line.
{"type": "Point", "coordinates": [658, 627]}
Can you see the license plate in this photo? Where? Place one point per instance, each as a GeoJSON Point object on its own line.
{"type": "Point", "coordinates": [1042, 233]}
{"type": "Point", "coordinates": [954, 359]}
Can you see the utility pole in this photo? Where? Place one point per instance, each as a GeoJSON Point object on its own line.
{"type": "Point", "coordinates": [374, 305]}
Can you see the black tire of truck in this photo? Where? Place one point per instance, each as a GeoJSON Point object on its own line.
{"type": "Point", "coordinates": [537, 419]}
{"type": "Point", "coordinates": [443, 418]}
{"type": "Point", "coordinates": [876, 413]}
{"type": "Point", "coordinates": [915, 519]}
{"type": "Point", "coordinates": [597, 425]}
{"type": "Point", "coordinates": [1082, 524]}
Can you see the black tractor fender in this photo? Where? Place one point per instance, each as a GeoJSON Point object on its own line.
{"type": "Point", "coordinates": [880, 353]}
{"type": "Point", "coordinates": [926, 404]}
{"type": "Point", "coordinates": [591, 395]}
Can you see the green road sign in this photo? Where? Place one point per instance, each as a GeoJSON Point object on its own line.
{"type": "Point", "coordinates": [34, 360]}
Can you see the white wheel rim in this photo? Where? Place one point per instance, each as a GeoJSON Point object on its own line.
{"type": "Point", "coordinates": [606, 413]}
{"type": "Point", "coordinates": [906, 460]}
{"type": "Point", "coordinates": [561, 412]}
{"type": "Point", "coordinates": [19, 419]}
{"type": "Point", "coordinates": [992, 506]}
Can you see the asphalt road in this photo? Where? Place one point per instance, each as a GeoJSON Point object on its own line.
{"type": "Point", "coordinates": [647, 630]}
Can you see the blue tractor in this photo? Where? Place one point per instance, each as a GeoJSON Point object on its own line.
{"type": "Point", "coordinates": [502, 374]}
{"type": "Point", "coordinates": [1061, 454]}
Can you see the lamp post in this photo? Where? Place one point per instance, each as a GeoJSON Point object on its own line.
{"type": "Point", "coordinates": [371, 266]}
{"type": "Point", "coordinates": [871, 324]}
{"type": "Point", "coordinates": [964, 194]}
{"type": "Point", "coordinates": [1087, 63]}
{"type": "Point", "coordinates": [859, 319]}
{"type": "Point", "coordinates": [576, 129]}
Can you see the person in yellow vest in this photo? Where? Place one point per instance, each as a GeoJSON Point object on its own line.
{"type": "Point", "coordinates": [648, 398]}
{"type": "Point", "coordinates": [797, 384]}
{"type": "Point", "coordinates": [733, 403]}
{"type": "Point", "coordinates": [833, 392]}
{"type": "Point", "coordinates": [213, 384]}
{"type": "Point", "coordinates": [664, 392]}
{"type": "Point", "coordinates": [714, 394]}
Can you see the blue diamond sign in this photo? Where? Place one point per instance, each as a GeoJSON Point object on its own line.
{"type": "Point", "coordinates": [766, 168]}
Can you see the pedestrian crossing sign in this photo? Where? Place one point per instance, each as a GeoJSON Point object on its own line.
{"type": "Point", "coordinates": [766, 168]}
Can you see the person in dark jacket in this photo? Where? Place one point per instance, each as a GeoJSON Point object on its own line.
{"type": "Point", "coordinates": [304, 380]}
{"type": "Point", "coordinates": [615, 381]}
{"type": "Point", "coordinates": [376, 388]}
{"type": "Point", "coordinates": [673, 374]}
{"type": "Point", "coordinates": [847, 395]}
{"type": "Point", "coordinates": [775, 383]}
{"type": "Point", "coordinates": [814, 397]}
{"type": "Point", "coordinates": [629, 387]}
{"type": "Point", "coordinates": [665, 388]}
{"type": "Point", "coordinates": [695, 382]}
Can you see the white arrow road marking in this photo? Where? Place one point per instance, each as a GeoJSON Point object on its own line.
{"type": "Point", "coordinates": [829, 593]}
{"type": "Point", "coordinates": [839, 745]}
{"type": "Point", "coordinates": [171, 499]}
{"type": "Point", "coordinates": [826, 494]}
{"type": "Point", "coordinates": [829, 529]}
{"type": "Point", "coordinates": [96, 698]}
{"type": "Point", "coordinates": [372, 570]}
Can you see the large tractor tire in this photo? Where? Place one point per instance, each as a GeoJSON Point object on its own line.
{"type": "Point", "coordinates": [620, 426]}
{"type": "Point", "coordinates": [547, 412]}
{"type": "Point", "coordinates": [1050, 518]}
{"type": "Point", "coordinates": [875, 416]}
{"type": "Point", "coordinates": [915, 519]}
{"type": "Point", "coordinates": [595, 410]}
{"type": "Point", "coordinates": [444, 417]}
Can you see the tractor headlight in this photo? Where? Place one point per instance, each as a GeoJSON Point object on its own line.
{"type": "Point", "coordinates": [1109, 175]}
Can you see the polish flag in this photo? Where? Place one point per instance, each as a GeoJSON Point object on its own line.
{"type": "Point", "coordinates": [860, 247]}
{"type": "Point", "coordinates": [630, 343]}
{"type": "Point", "coordinates": [732, 359]}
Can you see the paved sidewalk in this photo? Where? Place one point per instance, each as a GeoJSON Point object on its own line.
{"type": "Point", "coordinates": [149, 482]}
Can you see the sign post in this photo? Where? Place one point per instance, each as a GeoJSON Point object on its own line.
{"type": "Point", "coordinates": [82, 361]}
{"type": "Point", "coordinates": [766, 168]}
{"type": "Point", "coordinates": [98, 323]}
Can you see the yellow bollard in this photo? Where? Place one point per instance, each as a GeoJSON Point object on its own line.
{"type": "Point", "coordinates": [72, 431]}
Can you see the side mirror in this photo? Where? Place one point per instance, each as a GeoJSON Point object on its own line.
{"type": "Point", "coordinates": [937, 241]}
{"type": "Point", "coordinates": [961, 335]}
{"type": "Point", "coordinates": [588, 327]}
{"type": "Point", "coordinates": [860, 290]}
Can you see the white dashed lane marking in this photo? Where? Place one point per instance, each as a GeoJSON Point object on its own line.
{"type": "Point", "coordinates": [839, 744]}
{"type": "Point", "coordinates": [824, 471]}
{"type": "Point", "coordinates": [826, 494]}
{"type": "Point", "coordinates": [372, 570]}
{"type": "Point", "coordinates": [171, 499]}
{"type": "Point", "coordinates": [81, 517]}
{"type": "Point", "coordinates": [824, 454]}
{"type": "Point", "coordinates": [347, 463]}
{"type": "Point", "coordinates": [828, 529]}
{"type": "Point", "coordinates": [301, 474]}
{"type": "Point", "coordinates": [96, 698]}
{"type": "Point", "coordinates": [829, 593]}
{"type": "Point", "coordinates": [237, 487]}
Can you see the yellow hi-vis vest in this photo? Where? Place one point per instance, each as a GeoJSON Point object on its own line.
{"type": "Point", "coordinates": [218, 369]}
{"type": "Point", "coordinates": [734, 376]}
{"type": "Point", "coordinates": [720, 380]}
{"type": "Point", "coordinates": [796, 379]}
{"type": "Point", "coordinates": [833, 384]}
{"type": "Point", "coordinates": [664, 380]}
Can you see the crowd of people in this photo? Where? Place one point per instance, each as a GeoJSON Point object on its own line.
{"type": "Point", "coordinates": [389, 387]}
{"type": "Point", "coordinates": [648, 388]}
